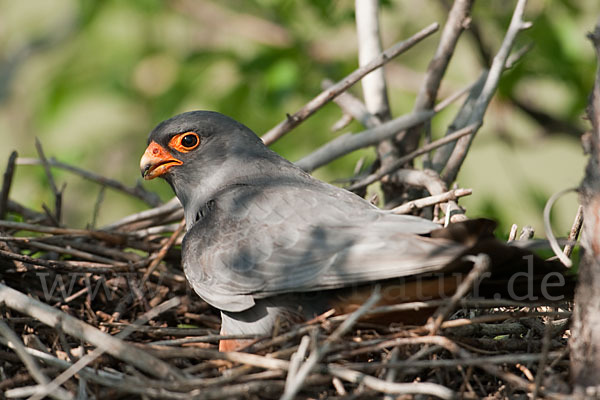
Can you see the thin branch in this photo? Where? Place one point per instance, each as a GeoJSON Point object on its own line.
{"type": "Point", "coordinates": [351, 105]}
{"type": "Point", "coordinates": [52, 317]}
{"type": "Point", "coordinates": [104, 347]}
{"type": "Point", "coordinates": [377, 132]}
{"type": "Point", "coordinates": [30, 363]}
{"type": "Point", "coordinates": [163, 252]}
{"type": "Point", "coordinates": [418, 204]}
{"type": "Point", "coordinates": [574, 233]}
{"type": "Point", "coordinates": [57, 193]}
{"type": "Point", "coordinates": [347, 143]}
{"type": "Point", "coordinates": [476, 361]}
{"type": "Point", "coordinates": [458, 19]}
{"type": "Point", "coordinates": [6, 183]}
{"type": "Point", "coordinates": [369, 47]}
{"type": "Point", "coordinates": [295, 362]}
{"type": "Point", "coordinates": [429, 180]}
{"type": "Point", "coordinates": [414, 388]}
{"type": "Point", "coordinates": [548, 227]}
{"type": "Point", "coordinates": [168, 212]}
{"type": "Point", "coordinates": [481, 263]}
{"type": "Point", "coordinates": [72, 266]}
{"type": "Point", "coordinates": [324, 97]}
{"type": "Point", "coordinates": [111, 237]}
{"type": "Point", "coordinates": [403, 160]}
{"type": "Point", "coordinates": [512, 236]}
{"type": "Point", "coordinates": [489, 88]}
{"type": "Point", "coordinates": [138, 191]}
{"type": "Point", "coordinates": [341, 123]}
{"type": "Point", "coordinates": [319, 352]}
{"type": "Point", "coordinates": [442, 155]}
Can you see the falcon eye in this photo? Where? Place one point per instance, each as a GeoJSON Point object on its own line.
{"type": "Point", "coordinates": [184, 142]}
{"type": "Point", "coordinates": [189, 141]}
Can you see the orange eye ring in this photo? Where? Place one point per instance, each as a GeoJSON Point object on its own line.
{"type": "Point", "coordinates": [184, 142]}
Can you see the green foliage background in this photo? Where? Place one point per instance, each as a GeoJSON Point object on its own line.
{"type": "Point", "coordinates": [91, 78]}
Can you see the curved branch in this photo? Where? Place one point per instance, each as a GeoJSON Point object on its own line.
{"type": "Point", "coordinates": [349, 142]}
{"type": "Point", "coordinates": [489, 88]}
{"type": "Point", "coordinates": [327, 95]}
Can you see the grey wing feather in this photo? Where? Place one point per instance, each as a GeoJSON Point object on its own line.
{"type": "Point", "coordinates": [261, 242]}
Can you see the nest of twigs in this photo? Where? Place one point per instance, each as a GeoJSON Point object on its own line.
{"type": "Point", "coordinates": [107, 313]}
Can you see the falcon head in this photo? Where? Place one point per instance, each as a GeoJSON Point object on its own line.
{"type": "Point", "coordinates": [184, 143]}
{"type": "Point", "coordinates": [200, 152]}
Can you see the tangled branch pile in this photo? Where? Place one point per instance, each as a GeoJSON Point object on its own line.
{"type": "Point", "coordinates": [109, 314]}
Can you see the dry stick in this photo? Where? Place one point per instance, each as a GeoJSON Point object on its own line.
{"type": "Point", "coordinates": [498, 65]}
{"type": "Point", "coordinates": [543, 360]}
{"type": "Point", "coordinates": [57, 193]}
{"type": "Point", "coordinates": [441, 363]}
{"type": "Point", "coordinates": [341, 123]}
{"type": "Point", "coordinates": [296, 360]}
{"type": "Point", "coordinates": [34, 369]}
{"type": "Point", "coordinates": [284, 337]}
{"type": "Point", "coordinates": [376, 132]}
{"type": "Point", "coordinates": [548, 226]}
{"type": "Point", "coordinates": [441, 156]}
{"type": "Point", "coordinates": [481, 263]}
{"type": "Point", "coordinates": [391, 373]}
{"type": "Point", "coordinates": [574, 234]}
{"type": "Point", "coordinates": [454, 97]}
{"type": "Point", "coordinates": [74, 327]}
{"type": "Point", "coordinates": [74, 252]}
{"type": "Point", "coordinates": [372, 382]}
{"type": "Point", "coordinates": [213, 354]}
{"type": "Point", "coordinates": [138, 191]}
{"type": "Point", "coordinates": [339, 386]}
{"type": "Point", "coordinates": [513, 233]}
{"type": "Point", "coordinates": [161, 331]}
{"type": "Point", "coordinates": [169, 207]}
{"type": "Point", "coordinates": [413, 205]}
{"type": "Point", "coordinates": [384, 343]}
{"type": "Point", "coordinates": [6, 183]}
{"type": "Point", "coordinates": [465, 303]}
{"type": "Point", "coordinates": [324, 97]}
{"type": "Point", "coordinates": [200, 339]}
{"type": "Point", "coordinates": [162, 252]}
{"type": "Point", "coordinates": [527, 233]}
{"type": "Point", "coordinates": [414, 388]}
{"type": "Point", "coordinates": [72, 243]}
{"type": "Point", "coordinates": [106, 346]}
{"type": "Point", "coordinates": [27, 213]}
{"type": "Point", "coordinates": [374, 87]}
{"type": "Point", "coordinates": [72, 266]}
{"type": "Point", "coordinates": [352, 106]}
{"type": "Point", "coordinates": [349, 142]}
{"type": "Point", "coordinates": [101, 235]}
{"type": "Point", "coordinates": [97, 205]}
{"type": "Point", "coordinates": [403, 160]}
{"type": "Point", "coordinates": [455, 24]}
{"type": "Point", "coordinates": [155, 230]}
{"type": "Point", "coordinates": [99, 376]}
{"type": "Point", "coordinates": [429, 180]}
{"type": "Point", "coordinates": [316, 355]}
{"type": "Point", "coordinates": [466, 358]}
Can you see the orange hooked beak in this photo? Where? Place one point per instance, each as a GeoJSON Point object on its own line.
{"type": "Point", "coordinates": [156, 161]}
